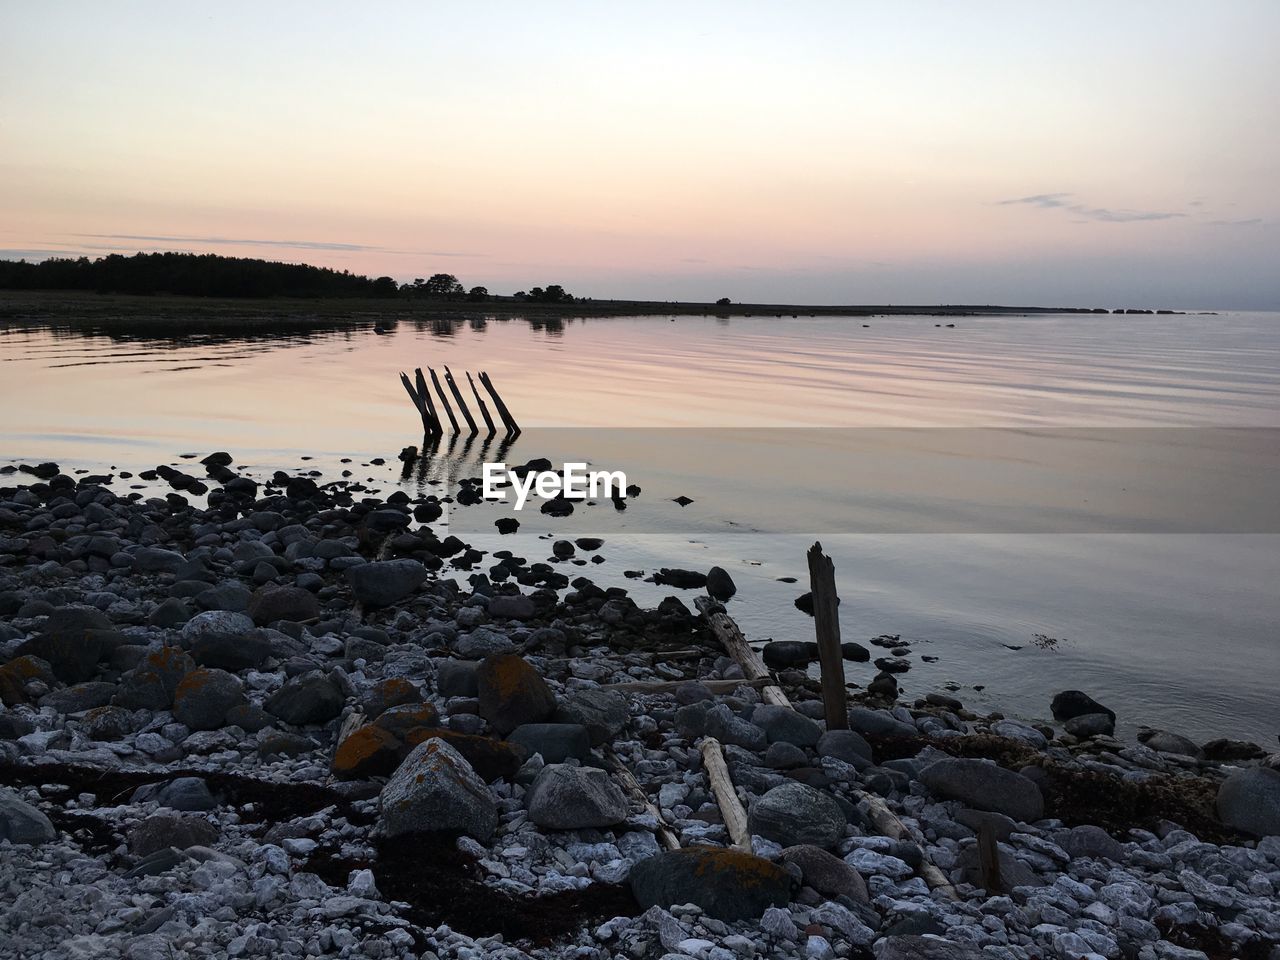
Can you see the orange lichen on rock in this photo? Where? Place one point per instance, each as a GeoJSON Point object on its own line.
{"type": "Point", "coordinates": [17, 673]}
{"type": "Point", "coordinates": [368, 751]}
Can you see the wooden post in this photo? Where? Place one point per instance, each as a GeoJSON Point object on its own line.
{"type": "Point", "coordinates": [444, 400]}
{"type": "Point", "coordinates": [989, 858]}
{"type": "Point", "coordinates": [417, 402]}
{"type": "Point", "coordinates": [735, 818]}
{"type": "Point", "coordinates": [484, 410]}
{"type": "Point", "coordinates": [826, 618]}
{"type": "Point", "coordinates": [735, 644]}
{"type": "Point", "coordinates": [436, 427]}
{"type": "Point", "coordinates": [457, 395]}
{"type": "Point", "coordinates": [510, 421]}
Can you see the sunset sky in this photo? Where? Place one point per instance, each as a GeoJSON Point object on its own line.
{"type": "Point", "coordinates": [822, 152]}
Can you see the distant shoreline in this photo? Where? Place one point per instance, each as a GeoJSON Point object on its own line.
{"type": "Point", "coordinates": [76, 308]}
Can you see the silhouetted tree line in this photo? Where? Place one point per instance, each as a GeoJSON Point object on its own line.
{"type": "Point", "coordinates": [190, 274]}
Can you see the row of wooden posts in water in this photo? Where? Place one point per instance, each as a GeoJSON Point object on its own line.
{"type": "Point", "coordinates": [433, 425]}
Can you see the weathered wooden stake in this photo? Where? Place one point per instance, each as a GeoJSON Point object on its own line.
{"type": "Point", "coordinates": [826, 618]}
{"type": "Point", "coordinates": [457, 395]}
{"type": "Point", "coordinates": [417, 402]}
{"type": "Point", "coordinates": [436, 426]}
{"type": "Point", "coordinates": [735, 644]}
{"type": "Point", "coordinates": [735, 818]}
{"type": "Point", "coordinates": [513, 428]}
{"type": "Point", "coordinates": [484, 410]}
{"type": "Point", "coordinates": [444, 401]}
{"type": "Point", "coordinates": [989, 858]}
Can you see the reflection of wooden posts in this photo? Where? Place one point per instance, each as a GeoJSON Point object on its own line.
{"type": "Point", "coordinates": [826, 617]}
{"type": "Point", "coordinates": [484, 410]}
{"type": "Point", "coordinates": [735, 818]}
{"type": "Point", "coordinates": [503, 412]}
{"type": "Point", "coordinates": [444, 401]}
{"type": "Point", "coordinates": [457, 395]}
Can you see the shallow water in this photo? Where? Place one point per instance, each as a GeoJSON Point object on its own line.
{"type": "Point", "coordinates": [1175, 630]}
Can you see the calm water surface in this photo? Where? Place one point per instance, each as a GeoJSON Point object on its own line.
{"type": "Point", "coordinates": [1178, 631]}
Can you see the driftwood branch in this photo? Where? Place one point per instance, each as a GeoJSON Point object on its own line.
{"type": "Point", "coordinates": [666, 836]}
{"type": "Point", "coordinates": [888, 825]}
{"type": "Point", "coordinates": [735, 818]}
{"type": "Point", "coordinates": [667, 686]}
{"type": "Point", "coordinates": [735, 644]}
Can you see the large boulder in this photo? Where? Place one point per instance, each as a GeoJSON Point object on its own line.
{"type": "Point", "coordinates": [554, 742]}
{"type": "Point", "coordinates": [565, 797]}
{"type": "Point", "coordinates": [229, 651]}
{"type": "Point", "coordinates": [793, 814]}
{"type": "Point", "coordinates": [20, 671]}
{"type": "Point", "coordinates": [784, 725]}
{"type": "Point", "coordinates": [1073, 703]}
{"type": "Point", "coordinates": [512, 693]}
{"type": "Point", "coordinates": [20, 822]}
{"type": "Point", "coordinates": [436, 790]}
{"type": "Point", "coordinates": [1249, 800]}
{"type": "Point", "coordinates": [71, 641]}
{"type": "Point", "coordinates": [719, 584]}
{"type": "Point", "coordinates": [384, 582]}
{"type": "Point", "coordinates": [726, 884]}
{"type": "Point", "coordinates": [204, 696]}
{"type": "Point", "coordinates": [269, 604]}
{"type": "Point", "coordinates": [879, 723]}
{"type": "Point", "coordinates": [603, 712]}
{"type": "Point", "coordinates": [827, 873]}
{"type": "Point", "coordinates": [983, 784]}
{"type": "Point", "coordinates": [161, 830]}
{"type": "Point", "coordinates": [151, 685]}
{"type": "Point", "coordinates": [216, 621]}
{"type": "Point", "coordinates": [309, 698]}
{"type": "Point", "coordinates": [847, 746]}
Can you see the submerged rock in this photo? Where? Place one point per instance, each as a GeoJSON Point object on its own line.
{"type": "Point", "coordinates": [1073, 703]}
{"type": "Point", "coordinates": [719, 584]}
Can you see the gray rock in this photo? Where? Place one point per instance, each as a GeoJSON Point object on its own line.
{"type": "Point", "coordinates": [269, 604]}
{"type": "Point", "coordinates": [982, 784]}
{"type": "Point", "coordinates": [20, 822]}
{"type": "Point", "coordinates": [309, 698]}
{"type": "Point", "coordinates": [232, 652]}
{"type": "Point", "coordinates": [70, 640]}
{"type": "Point", "coordinates": [781, 654]}
{"type": "Point", "coordinates": [794, 814]}
{"type": "Point", "coordinates": [230, 596]}
{"type": "Point", "coordinates": [157, 560]}
{"type": "Point", "coordinates": [151, 685]}
{"type": "Point", "coordinates": [565, 797]}
{"type": "Point", "coordinates": [204, 696]}
{"type": "Point", "coordinates": [879, 723]}
{"type": "Point", "coordinates": [1073, 703]}
{"type": "Point", "coordinates": [727, 727]}
{"type": "Point", "coordinates": [383, 582]}
{"type": "Point", "coordinates": [108, 723]}
{"type": "Point", "coordinates": [81, 697]}
{"type": "Point", "coordinates": [171, 613]}
{"type": "Point", "coordinates": [556, 742]}
{"type": "Point", "coordinates": [216, 621]}
{"type": "Point", "coordinates": [482, 642]}
{"type": "Point", "coordinates": [1090, 725]}
{"type": "Point", "coordinates": [1000, 825]}
{"type": "Point", "coordinates": [457, 678]}
{"type": "Point", "coordinates": [435, 789]}
{"type": "Point", "coordinates": [186, 794]}
{"type": "Point", "coordinates": [847, 746]}
{"type": "Point", "coordinates": [925, 948]}
{"type": "Point", "coordinates": [1090, 841]}
{"type": "Point", "coordinates": [512, 607]}
{"type": "Point", "coordinates": [826, 873]}
{"type": "Point", "coordinates": [1249, 800]}
{"type": "Point", "coordinates": [603, 712]}
{"type": "Point", "coordinates": [727, 884]}
{"type": "Point", "coordinates": [719, 584]}
{"type": "Point", "coordinates": [784, 756]}
{"type": "Point", "coordinates": [782, 724]}
{"type": "Point", "coordinates": [1163, 741]}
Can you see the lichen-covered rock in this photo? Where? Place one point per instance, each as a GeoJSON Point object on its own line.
{"type": "Point", "coordinates": [70, 641]}
{"type": "Point", "coordinates": [204, 696]}
{"type": "Point", "coordinates": [566, 797]}
{"type": "Point", "coordinates": [309, 698]}
{"type": "Point", "coordinates": [434, 790]}
{"type": "Point", "coordinates": [17, 673]}
{"type": "Point", "coordinates": [511, 693]}
{"type": "Point", "coordinates": [151, 685]}
{"type": "Point", "coordinates": [726, 884]}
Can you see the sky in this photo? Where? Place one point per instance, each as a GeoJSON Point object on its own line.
{"type": "Point", "coordinates": [1082, 154]}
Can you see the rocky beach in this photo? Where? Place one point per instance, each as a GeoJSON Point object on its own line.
{"type": "Point", "coordinates": [278, 716]}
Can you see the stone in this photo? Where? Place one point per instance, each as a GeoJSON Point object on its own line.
{"type": "Point", "coordinates": [20, 671]}
{"type": "Point", "coordinates": [556, 742]}
{"type": "Point", "coordinates": [161, 830]}
{"type": "Point", "coordinates": [20, 822]}
{"type": "Point", "coordinates": [915, 947]}
{"type": "Point", "coordinates": [185, 794]}
{"type": "Point", "coordinates": [1090, 725]}
{"type": "Point", "coordinates": [1162, 741]}
{"type": "Point", "coordinates": [107, 723]}
{"type": "Point", "coordinates": [726, 884]}
{"type": "Point", "coordinates": [511, 693]}
{"type": "Point", "coordinates": [216, 621]}
{"type": "Point", "coordinates": [566, 797]}
{"type": "Point", "coordinates": [157, 560]}
{"type": "Point", "coordinates": [228, 651]}
{"type": "Point", "coordinates": [847, 746]}
{"type": "Point", "coordinates": [729, 728]}
{"type": "Point", "coordinates": [204, 696]}
{"type": "Point", "coordinates": [603, 712]}
{"type": "Point", "coordinates": [878, 723]}
{"type": "Point", "coordinates": [784, 725]}
{"type": "Point", "coordinates": [381, 583]}
{"type": "Point", "coordinates": [457, 678]}
{"type": "Point", "coordinates": [1249, 800]}
{"type": "Point", "coordinates": [152, 684]}
{"type": "Point", "coordinates": [70, 641]}
{"type": "Point", "coordinates": [171, 613]}
{"type": "Point", "coordinates": [795, 814]}
{"type": "Point", "coordinates": [827, 873]}
{"type": "Point", "coordinates": [436, 790]}
{"type": "Point", "coordinates": [719, 584]}
{"type": "Point", "coordinates": [512, 607]}
{"type": "Point", "coordinates": [784, 654]}
{"type": "Point", "coordinates": [309, 698]}
{"type": "Point", "coordinates": [81, 697]}
{"type": "Point", "coordinates": [1087, 840]}
{"type": "Point", "coordinates": [228, 597]}
{"type": "Point", "coordinates": [984, 785]}
{"type": "Point", "coordinates": [1074, 703]}
{"type": "Point", "coordinates": [390, 692]}
{"type": "Point", "coordinates": [784, 756]}
{"type": "Point", "coordinates": [482, 642]}
{"type": "Point", "coordinates": [269, 604]}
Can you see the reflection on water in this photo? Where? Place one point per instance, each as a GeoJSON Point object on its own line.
{"type": "Point", "coordinates": [1141, 613]}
